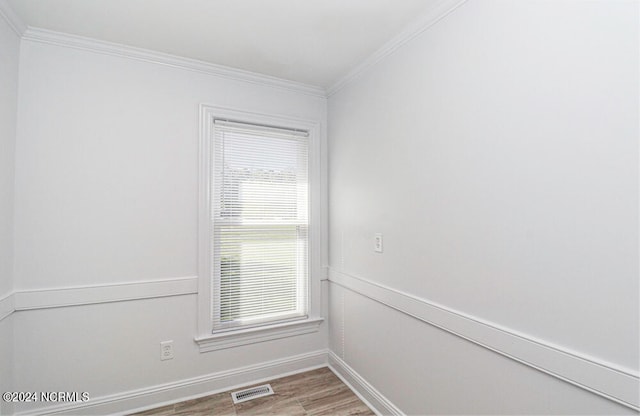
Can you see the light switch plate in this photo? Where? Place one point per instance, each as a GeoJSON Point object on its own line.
{"type": "Point", "coordinates": [378, 243]}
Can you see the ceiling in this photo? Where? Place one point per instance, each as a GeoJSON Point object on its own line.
{"type": "Point", "coordinates": [309, 41]}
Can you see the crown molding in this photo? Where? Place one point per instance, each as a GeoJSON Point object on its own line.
{"type": "Point", "coordinates": [441, 10]}
{"type": "Point", "coordinates": [114, 49]}
{"type": "Point", "coordinates": [15, 23]}
{"type": "Point", "coordinates": [437, 13]}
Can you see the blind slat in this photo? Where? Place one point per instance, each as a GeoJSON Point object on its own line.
{"type": "Point", "coordinates": [260, 224]}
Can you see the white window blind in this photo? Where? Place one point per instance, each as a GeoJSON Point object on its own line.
{"type": "Point", "coordinates": [260, 224]}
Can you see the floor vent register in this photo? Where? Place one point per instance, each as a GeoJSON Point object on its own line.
{"type": "Point", "coordinates": [252, 393]}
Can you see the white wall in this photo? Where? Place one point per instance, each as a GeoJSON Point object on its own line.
{"type": "Point", "coordinates": [424, 370]}
{"type": "Point", "coordinates": [9, 47]}
{"type": "Point", "coordinates": [106, 192]}
{"type": "Point", "coordinates": [106, 173]}
{"type": "Point", "coordinates": [6, 362]}
{"type": "Point", "coordinates": [498, 154]}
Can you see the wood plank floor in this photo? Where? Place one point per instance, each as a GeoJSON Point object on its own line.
{"type": "Point", "coordinates": [316, 392]}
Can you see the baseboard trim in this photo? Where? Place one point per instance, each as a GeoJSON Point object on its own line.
{"type": "Point", "coordinates": [187, 389]}
{"type": "Point", "coordinates": [365, 391]}
{"type": "Point", "coordinates": [605, 379]}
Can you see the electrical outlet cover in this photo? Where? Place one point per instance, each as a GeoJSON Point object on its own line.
{"type": "Point", "coordinates": [166, 350]}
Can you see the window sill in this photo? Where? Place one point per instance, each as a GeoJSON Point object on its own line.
{"type": "Point", "coordinates": [240, 337]}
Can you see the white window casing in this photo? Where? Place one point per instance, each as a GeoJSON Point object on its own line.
{"type": "Point", "coordinates": [259, 228]}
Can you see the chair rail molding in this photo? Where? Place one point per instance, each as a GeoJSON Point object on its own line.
{"type": "Point", "coordinates": [24, 300]}
{"type": "Point", "coordinates": [608, 380]}
{"type": "Point", "coordinates": [6, 306]}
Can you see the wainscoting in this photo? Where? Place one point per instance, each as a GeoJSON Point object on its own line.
{"type": "Point", "coordinates": [30, 301]}
{"type": "Point", "coordinates": [604, 379]}
{"type": "Point", "coordinates": [107, 337]}
{"type": "Point", "coordinates": [600, 378]}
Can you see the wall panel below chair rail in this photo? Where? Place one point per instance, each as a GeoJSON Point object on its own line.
{"type": "Point", "coordinates": [375, 322]}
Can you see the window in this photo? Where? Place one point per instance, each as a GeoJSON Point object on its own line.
{"type": "Point", "coordinates": [259, 239]}
{"type": "Point", "coordinates": [260, 224]}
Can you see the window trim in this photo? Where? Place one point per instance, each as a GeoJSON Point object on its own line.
{"type": "Point", "coordinates": [206, 338]}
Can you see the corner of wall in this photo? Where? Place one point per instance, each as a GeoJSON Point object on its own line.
{"type": "Point", "coordinates": [12, 19]}
{"type": "Point", "coordinates": [11, 30]}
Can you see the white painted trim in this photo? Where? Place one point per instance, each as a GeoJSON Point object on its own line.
{"type": "Point", "coordinates": [15, 23]}
{"type": "Point", "coordinates": [204, 313]}
{"type": "Point", "coordinates": [606, 379]}
{"type": "Point", "coordinates": [325, 273]}
{"type": "Point", "coordinates": [117, 292]}
{"type": "Point", "coordinates": [24, 300]}
{"type": "Point", "coordinates": [191, 388]}
{"type": "Point", "coordinates": [317, 206]}
{"type": "Point", "coordinates": [146, 55]}
{"type": "Point", "coordinates": [260, 334]}
{"type": "Point", "coordinates": [6, 306]}
{"type": "Point", "coordinates": [365, 391]}
{"type": "Point", "coordinates": [438, 12]}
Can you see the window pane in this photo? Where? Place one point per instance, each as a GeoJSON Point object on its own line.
{"type": "Point", "coordinates": [260, 212]}
{"type": "Point", "coordinates": [260, 271]}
